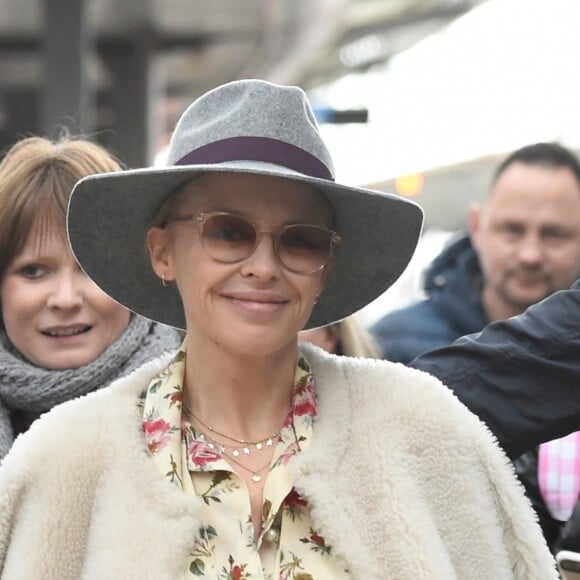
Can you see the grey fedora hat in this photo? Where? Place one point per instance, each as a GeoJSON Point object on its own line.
{"type": "Point", "coordinates": [248, 126]}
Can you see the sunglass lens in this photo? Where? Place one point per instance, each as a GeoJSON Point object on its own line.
{"type": "Point", "coordinates": [304, 248]}
{"type": "Point", "coordinates": [228, 238]}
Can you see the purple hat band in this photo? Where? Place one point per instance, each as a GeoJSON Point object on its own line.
{"type": "Point", "coordinates": [258, 149]}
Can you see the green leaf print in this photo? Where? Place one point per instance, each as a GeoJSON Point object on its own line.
{"type": "Point", "coordinates": [303, 364]}
{"type": "Point", "coordinates": [317, 543]}
{"type": "Point", "coordinates": [155, 386]}
{"type": "Point", "coordinates": [290, 569]}
{"type": "Point", "coordinates": [173, 475]}
{"type": "Point", "coordinates": [216, 488]}
{"type": "Point", "coordinates": [197, 567]}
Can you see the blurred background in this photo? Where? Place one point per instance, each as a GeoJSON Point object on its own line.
{"type": "Point", "coordinates": [418, 97]}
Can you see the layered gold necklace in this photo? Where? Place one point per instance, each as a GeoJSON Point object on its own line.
{"type": "Point", "coordinates": [237, 447]}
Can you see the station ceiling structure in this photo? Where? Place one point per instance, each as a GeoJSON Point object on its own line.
{"type": "Point", "coordinates": [123, 70]}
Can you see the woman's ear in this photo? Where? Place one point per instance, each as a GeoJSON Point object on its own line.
{"type": "Point", "coordinates": [159, 245]}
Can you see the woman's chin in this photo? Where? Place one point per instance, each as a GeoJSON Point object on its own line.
{"type": "Point", "coordinates": [260, 346]}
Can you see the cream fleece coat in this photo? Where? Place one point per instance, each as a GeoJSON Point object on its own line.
{"type": "Point", "coordinates": [404, 484]}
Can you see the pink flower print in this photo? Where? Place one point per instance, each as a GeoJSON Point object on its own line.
{"type": "Point", "coordinates": [290, 451]}
{"type": "Point", "coordinates": [305, 407]}
{"type": "Point", "coordinates": [156, 434]}
{"type": "Point", "coordinates": [200, 454]}
{"type": "Point", "coordinates": [305, 401]}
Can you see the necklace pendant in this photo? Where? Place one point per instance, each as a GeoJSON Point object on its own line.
{"type": "Point", "coordinates": [256, 477]}
{"type": "Point", "coordinates": [222, 449]}
{"type": "Point", "coordinates": [269, 442]}
{"type": "Point", "coordinates": [246, 450]}
{"type": "Point", "coordinates": [235, 452]}
{"type": "Point", "coordinates": [258, 446]}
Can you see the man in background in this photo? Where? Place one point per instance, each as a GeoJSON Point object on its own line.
{"type": "Point", "coordinates": [523, 245]}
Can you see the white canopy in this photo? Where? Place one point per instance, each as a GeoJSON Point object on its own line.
{"type": "Point", "coordinates": [504, 75]}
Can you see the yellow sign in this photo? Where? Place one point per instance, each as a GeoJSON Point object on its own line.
{"type": "Point", "coordinates": [409, 185]}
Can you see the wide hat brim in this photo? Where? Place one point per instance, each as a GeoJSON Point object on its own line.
{"type": "Point", "coordinates": [108, 217]}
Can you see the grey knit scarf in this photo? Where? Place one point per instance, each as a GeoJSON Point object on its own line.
{"type": "Point", "coordinates": [26, 388]}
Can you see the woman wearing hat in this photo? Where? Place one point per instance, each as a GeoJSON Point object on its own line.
{"type": "Point", "coordinates": [60, 335]}
{"type": "Point", "coordinates": [243, 455]}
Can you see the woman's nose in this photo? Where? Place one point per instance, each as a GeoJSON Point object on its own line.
{"type": "Point", "coordinates": [67, 293]}
{"type": "Point", "coordinates": [263, 261]}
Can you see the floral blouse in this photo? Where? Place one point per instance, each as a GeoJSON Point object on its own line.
{"type": "Point", "coordinates": [225, 548]}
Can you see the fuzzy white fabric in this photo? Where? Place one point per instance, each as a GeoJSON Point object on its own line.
{"type": "Point", "coordinates": [404, 484]}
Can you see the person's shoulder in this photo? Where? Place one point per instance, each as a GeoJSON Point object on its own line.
{"type": "Point", "coordinates": [390, 393]}
{"type": "Point", "coordinates": [81, 429]}
{"type": "Point", "coordinates": [105, 402]}
{"type": "Point", "coordinates": [404, 334]}
{"type": "Point", "coordinates": [371, 376]}
{"type": "Point", "coordinates": [422, 320]}
{"type": "Point", "coordinates": [399, 318]}
{"type": "Point", "coordinates": [416, 406]}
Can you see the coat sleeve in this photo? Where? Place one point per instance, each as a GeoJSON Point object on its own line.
{"type": "Point", "coordinates": [44, 507]}
{"type": "Point", "coordinates": [13, 479]}
{"type": "Point", "coordinates": [520, 376]}
{"type": "Point", "coordinates": [521, 531]}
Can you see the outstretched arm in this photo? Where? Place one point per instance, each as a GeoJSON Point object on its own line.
{"type": "Point", "coordinates": [521, 376]}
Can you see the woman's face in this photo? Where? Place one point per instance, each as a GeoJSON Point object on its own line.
{"type": "Point", "coordinates": [54, 315]}
{"type": "Point", "coordinates": [254, 307]}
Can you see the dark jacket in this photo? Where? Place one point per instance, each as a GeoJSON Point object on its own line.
{"type": "Point", "coordinates": [521, 376]}
{"type": "Point", "coordinates": [453, 307]}
{"type": "Point", "coordinates": [559, 535]}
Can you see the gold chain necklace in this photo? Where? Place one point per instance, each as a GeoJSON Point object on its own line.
{"type": "Point", "coordinates": [255, 473]}
{"type": "Point", "coordinates": [259, 444]}
{"type": "Point", "coordinates": [243, 445]}
{"type": "Point", "coordinates": [221, 449]}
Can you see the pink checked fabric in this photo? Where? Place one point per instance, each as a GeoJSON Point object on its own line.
{"type": "Point", "coordinates": [559, 474]}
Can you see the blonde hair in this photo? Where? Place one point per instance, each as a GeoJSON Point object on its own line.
{"type": "Point", "coordinates": [36, 179]}
{"type": "Point", "coordinates": [355, 340]}
{"type": "Point", "coordinates": [347, 337]}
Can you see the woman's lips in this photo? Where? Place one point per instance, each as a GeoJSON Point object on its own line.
{"type": "Point", "coordinates": [66, 331]}
{"type": "Point", "coordinates": [257, 302]}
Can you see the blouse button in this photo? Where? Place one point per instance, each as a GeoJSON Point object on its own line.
{"type": "Point", "coordinates": [272, 536]}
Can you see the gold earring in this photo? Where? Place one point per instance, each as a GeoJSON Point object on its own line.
{"type": "Point", "coordinates": [163, 281]}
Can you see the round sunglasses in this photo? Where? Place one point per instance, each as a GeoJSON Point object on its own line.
{"type": "Point", "coordinates": [230, 238]}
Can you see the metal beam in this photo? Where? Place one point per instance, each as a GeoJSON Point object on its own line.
{"type": "Point", "coordinates": [136, 92]}
{"type": "Point", "coordinates": [67, 95]}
